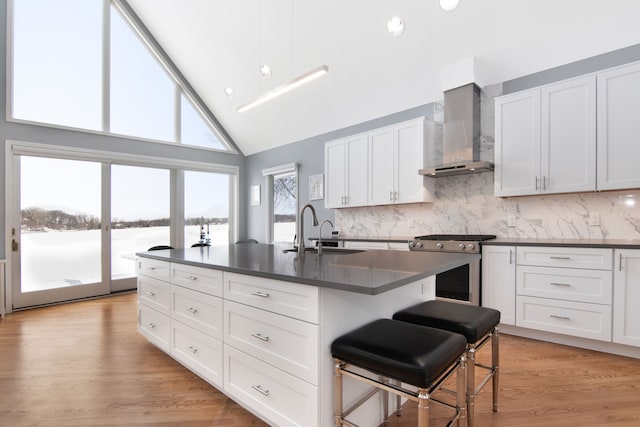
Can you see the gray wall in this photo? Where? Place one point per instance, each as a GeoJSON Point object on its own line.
{"type": "Point", "coordinates": [70, 138]}
{"type": "Point", "coordinates": [309, 155]}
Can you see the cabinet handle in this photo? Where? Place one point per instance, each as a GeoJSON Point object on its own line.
{"type": "Point", "coordinates": [619, 262]}
{"type": "Point", "coordinates": [260, 294]}
{"type": "Point", "coordinates": [510, 256]}
{"type": "Point", "coordinates": [192, 310]}
{"type": "Point", "coordinates": [192, 349]}
{"type": "Point", "coordinates": [260, 337]}
{"type": "Point", "coordinates": [151, 325]}
{"type": "Point", "coordinates": [537, 179]}
{"type": "Point", "coordinates": [151, 294]}
{"type": "Point", "coordinates": [560, 317]}
{"type": "Point", "coordinates": [395, 195]}
{"type": "Point", "coordinates": [544, 182]}
{"type": "Point", "coordinates": [192, 278]}
{"type": "Point", "coordinates": [259, 389]}
{"type": "Point", "coordinates": [560, 284]}
{"type": "Point", "coordinates": [560, 257]}
{"type": "Point", "coordinates": [151, 268]}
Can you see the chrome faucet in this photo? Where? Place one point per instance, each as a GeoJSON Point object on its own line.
{"type": "Point", "coordinates": [301, 226]}
{"type": "Point", "coordinates": [320, 237]}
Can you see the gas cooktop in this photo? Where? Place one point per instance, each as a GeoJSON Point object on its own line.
{"type": "Point", "coordinates": [449, 242]}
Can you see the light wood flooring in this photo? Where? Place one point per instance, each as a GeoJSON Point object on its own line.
{"type": "Point", "coordinates": [85, 364]}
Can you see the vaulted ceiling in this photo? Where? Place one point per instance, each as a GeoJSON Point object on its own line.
{"type": "Point", "coordinates": [222, 43]}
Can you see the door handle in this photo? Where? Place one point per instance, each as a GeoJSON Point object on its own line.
{"type": "Point", "coordinates": [14, 245]}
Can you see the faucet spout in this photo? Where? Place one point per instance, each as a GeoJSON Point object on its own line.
{"type": "Point", "coordinates": [301, 226]}
{"type": "Point", "coordinates": [320, 236]}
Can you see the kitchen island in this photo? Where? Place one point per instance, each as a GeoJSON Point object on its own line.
{"type": "Point", "coordinates": [257, 322]}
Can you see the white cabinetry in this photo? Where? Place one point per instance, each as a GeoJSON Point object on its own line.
{"type": "Point", "coordinates": [395, 155]}
{"type": "Point", "coordinates": [346, 172]}
{"type": "Point", "coordinates": [392, 157]}
{"type": "Point", "coordinates": [626, 299]}
{"type": "Point", "coordinates": [565, 290]}
{"type": "Point", "coordinates": [499, 281]}
{"type": "Point", "coordinates": [618, 128]}
{"type": "Point", "coordinates": [546, 139]}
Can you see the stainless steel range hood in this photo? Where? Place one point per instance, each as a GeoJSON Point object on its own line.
{"type": "Point", "coordinates": [461, 147]}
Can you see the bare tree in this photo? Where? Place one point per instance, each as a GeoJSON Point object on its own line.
{"type": "Point", "coordinates": [284, 194]}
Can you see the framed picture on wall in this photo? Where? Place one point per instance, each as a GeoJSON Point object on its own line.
{"type": "Point", "coordinates": [255, 195]}
{"type": "Point", "coordinates": [315, 187]}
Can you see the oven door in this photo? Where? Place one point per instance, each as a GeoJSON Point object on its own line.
{"type": "Point", "coordinates": [460, 285]}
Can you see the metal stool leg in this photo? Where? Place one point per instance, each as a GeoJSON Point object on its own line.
{"type": "Point", "coordinates": [398, 401]}
{"type": "Point", "coordinates": [461, 392]}
{"type": "Point", "coordinates": [495, 364]}
{"type": "Point", "coordinates": [471, 385]}
{"type": "Point", "coordinates": [423, 407]}
{"type": "Point", "coordinates": [337, 393]}
{"type": "Point", "coordinates": [385, 403]}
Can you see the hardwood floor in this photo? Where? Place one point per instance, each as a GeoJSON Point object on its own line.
{"type": "Point", "coordinates": [85, 364]}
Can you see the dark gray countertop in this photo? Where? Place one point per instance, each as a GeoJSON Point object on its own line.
{"type": "Point", "coordinates": [368, 272]}
{"type": "Point", "coordinates": [576, 243]}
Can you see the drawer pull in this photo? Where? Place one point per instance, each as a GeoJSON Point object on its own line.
{"type": "Point", "coordinates": [565, 258]}
{"type": "Point", "coordinates": [259, 389]}
{"type": "Point", "coordinates": [192, 310]}
{"type": "Point", "coordinates": [149, 293]}
{"type": "Point", "coordinates": [260, 337]}
{"type": "Point", "coordinates": [260, 294]}
{"type": "Point", "coordinates": [192, 349]}
{"type": "Point", "coordinates": [192, 277]}
{"type": "Point", "coordinates": [151, 268]}
{"type": "Point", "coordinates": [151, 325]}
{"type": "Point", "coordinates": [560, 317]}
{"type": "Point", "coordinates": [560, 284]}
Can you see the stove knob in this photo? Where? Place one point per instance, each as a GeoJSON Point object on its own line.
{"type": "Point", "coordinates": [419, 244]}
{"type": "Point", "coordinates": [471, 246]}
{"type": "Point", "coordinates": [461, 246]}
{"type": "Point", "coordinates": [412, 244]}
{"type": "Point", "coordinates": [439, 245]}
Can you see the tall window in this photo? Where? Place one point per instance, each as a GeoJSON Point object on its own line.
{"type": "Point", "coordinates": [57, 76]}
{"type": "Point", "coordinates": [282, 202]}
{"type": "Point", "coordinates": [206, 207]}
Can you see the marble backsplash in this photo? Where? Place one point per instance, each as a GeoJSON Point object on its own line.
{"type": "Point", "coordinates": [466, 204]}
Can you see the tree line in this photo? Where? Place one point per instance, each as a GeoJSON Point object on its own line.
{"type": "Point", "coordinates": [38, 219]}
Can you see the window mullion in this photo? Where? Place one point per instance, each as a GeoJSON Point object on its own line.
{"type": "Point", "coordinates": [106, 65]}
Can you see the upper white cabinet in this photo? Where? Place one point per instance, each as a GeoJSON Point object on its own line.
{"type": "Point", "coordinates": [392, 157]}
{"type": "Point", "coordinates": [346, 164]}
{"type": "Point", "coordinates": [618, 128]}
{"type": "Point", "coordinates": [546, 139]}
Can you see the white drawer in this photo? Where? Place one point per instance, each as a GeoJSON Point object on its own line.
{"type": "Point", "coordinates": [198, 310]}
{"type": "Point", "coordinates": [282, 399]}
{"type": "Point", "coordinates": [154, 293]}
{"type": "Point", "coordinates": [594, 286]}
{"type": "Point", "coordinates": [286, 343]}
{"type": "Point", "coordinates": [156, 327]}
{"type": "Point", "coordinates": [199, 279]}
{"type": "Point", "coordinates": [199, 352]}
{"type": "Point", "coordinates": [564, 317]}
{"type": "Point", "coordinates": [291, 299]}
{"type": "Point", "coordinates": [591, 258]}
{"type": "Point", "coordinates": [153, 268]}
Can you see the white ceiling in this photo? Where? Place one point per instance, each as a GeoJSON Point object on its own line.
{"type": "Point", "coordinates": [220, 43]}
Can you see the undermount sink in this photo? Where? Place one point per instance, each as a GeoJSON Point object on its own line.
{"type": "Point", "coordinates": [327, 250]}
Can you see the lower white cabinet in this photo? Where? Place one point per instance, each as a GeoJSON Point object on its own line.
{"type": "Point", "coordinates": [197, 351]}
{"type": "Point", "coordinates": [626, 297]}
{"type": "Point", "coordinates": [155, 326]}
{"type": "Point", "coordinates": [499, 281]}
{"type": "Point", "coordinates": [282, 398]}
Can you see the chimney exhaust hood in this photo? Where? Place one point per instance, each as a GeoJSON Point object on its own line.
{"type": "Point", "coordinates": [461, 146]}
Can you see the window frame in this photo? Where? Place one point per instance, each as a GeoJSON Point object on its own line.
{"type": "Point", "coordinates": [182, 86]}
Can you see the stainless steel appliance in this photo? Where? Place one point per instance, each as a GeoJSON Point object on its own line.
{"type": "Point", "coordinates": [462, 284]}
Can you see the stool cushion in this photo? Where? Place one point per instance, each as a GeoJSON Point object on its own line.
{"type": "Point", "coordinates": [471, 321]}
{"type": "Point", "coordinates": [414, 354]}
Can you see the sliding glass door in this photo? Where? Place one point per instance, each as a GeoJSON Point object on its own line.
{"type": "Point", "coordinates": [56, 233]}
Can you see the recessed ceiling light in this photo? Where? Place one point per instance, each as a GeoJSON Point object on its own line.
{"type": "Point", "coordinates": [228, 91]}
{"type": "Point", "coordinates": [395, 26]}
{"type": "Point", "coordinates": [265, 70]}
{"type": "Point", "coordinates": [449, 5]}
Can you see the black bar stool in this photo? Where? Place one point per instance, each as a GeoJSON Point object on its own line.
{"type": "Point", "coordinates": [390, 353]}
{"type": "Point", "coordinates": [477, 324]}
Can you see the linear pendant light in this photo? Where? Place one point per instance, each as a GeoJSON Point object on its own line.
{"type": "Point", "coordinates": [295, 83]}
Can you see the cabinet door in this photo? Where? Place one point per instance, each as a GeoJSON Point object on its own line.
{"type": "Point", "coordinates": [410, 186]}
{"type": "Point", "coordinates": [626, 297]}
{"type": "Point", "coordinates": [381, 167]}
{"type": "Point", "coordinates": [568, 137]}
{"type": "Point", "coordinates": [356, 170]}
{"type": "Point", "coordinates": [499, 281]}
{"type": "Point", "coordinates": [517, 154]}
{"type": "Point", "coordinates": [335, 163]}
{"type": "Point", "coordinates": [618, 128]}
